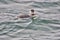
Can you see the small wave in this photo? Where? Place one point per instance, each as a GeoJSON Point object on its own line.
{"type": "Point", "coordinates": [42, 28]}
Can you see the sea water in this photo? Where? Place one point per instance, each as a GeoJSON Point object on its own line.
{"type": "Point", "coordinates": [46, 27]}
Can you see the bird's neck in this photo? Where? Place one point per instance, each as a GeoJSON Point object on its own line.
{"type": "Point", "coordinates": [32, 12]}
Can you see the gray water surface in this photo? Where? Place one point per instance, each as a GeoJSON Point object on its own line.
{"type": "Point", "coordinates": [45, 27]}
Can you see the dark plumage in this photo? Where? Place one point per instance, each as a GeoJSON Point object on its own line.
{"type": "Point", "coordinates": [24, 16]}
{"type": "Point", "coordinates": [27, 16]}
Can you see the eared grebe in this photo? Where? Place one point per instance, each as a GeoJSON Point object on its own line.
{"type": "Point", "coordinates": [27, 16]}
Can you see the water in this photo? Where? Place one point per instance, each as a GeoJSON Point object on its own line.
{"type": "Point", "coordinates": [45, 27]}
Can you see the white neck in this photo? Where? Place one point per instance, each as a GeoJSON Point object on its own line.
{"type": "Point", "coordinates": [32, 12]}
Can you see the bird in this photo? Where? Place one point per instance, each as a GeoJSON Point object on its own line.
{"type": "Point", "coordinates": [30, 15]}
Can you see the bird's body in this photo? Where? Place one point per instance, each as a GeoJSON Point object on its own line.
{"type": "Point", "coordinates": [24, 16]}
{"type": "Point", "coordinates": [31, 15]}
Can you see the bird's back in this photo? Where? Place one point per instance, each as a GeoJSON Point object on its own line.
{"type": "Point", "coordinates": [24, 16]}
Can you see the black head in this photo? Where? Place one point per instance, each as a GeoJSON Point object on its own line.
{"type": "Point", "coordinates": [32, 10]}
